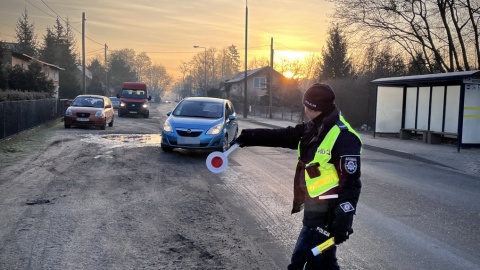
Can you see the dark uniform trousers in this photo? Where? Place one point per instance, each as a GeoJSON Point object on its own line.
{"type": "Point", "coordinates": [302, 257]}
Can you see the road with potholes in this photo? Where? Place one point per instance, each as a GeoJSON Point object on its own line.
{"type": "Point", "coordinates": [84, 198]}
{"type": "Point", "coordinates": [92, 199]}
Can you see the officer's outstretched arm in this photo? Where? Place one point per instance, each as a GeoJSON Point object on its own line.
{"type": "Point", "coordinates": [280, 137]}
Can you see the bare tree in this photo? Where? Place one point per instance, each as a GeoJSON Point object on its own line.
{"type": "Point", "coordinates": [436, 30]}
{"type": "Point", "coordinates": [142, 65]}
{"type": "Point", "coordinates": [157, 78]}
{"type": "Point", "coordinates": [259, 62]}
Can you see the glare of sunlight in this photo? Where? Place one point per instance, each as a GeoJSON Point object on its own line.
{"type": "Point", "coordinates": [290, 55]}
{"type": "Point", "coordinates": [288, 74]}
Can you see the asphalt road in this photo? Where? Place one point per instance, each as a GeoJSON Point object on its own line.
{"type": "Point", "coordinates": [92, 199]}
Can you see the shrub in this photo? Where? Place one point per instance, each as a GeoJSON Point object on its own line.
{"type": "Point", "coordinates": [12, 95]}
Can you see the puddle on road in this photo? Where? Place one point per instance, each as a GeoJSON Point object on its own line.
{"type": "Point", "coordinates": [125, 140]}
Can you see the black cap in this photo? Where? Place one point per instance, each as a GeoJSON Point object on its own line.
{"type": "Point", "coordinates": [319, 97]}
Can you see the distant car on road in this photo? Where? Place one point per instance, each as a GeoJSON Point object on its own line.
{"type": "Point", "coordinates": [115, 102]}
{"type": "Point", "coordinates": [200, 123]}
{"type": "Point", "coordinates": [89, 110]}
{"type": "Point", "coordinates": [134, 99]}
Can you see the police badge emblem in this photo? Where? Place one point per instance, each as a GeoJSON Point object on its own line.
{"type": "Point", "coordinates": [347, 207]}
{"type": "Point", "coordinates": [351, 164]}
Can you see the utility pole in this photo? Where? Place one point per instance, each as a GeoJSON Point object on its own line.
{"type": "Point", "coordinates": [245, 97]}
{"type": "Point", "coordinates": [106, 71]}
{"type": "Point", "coordinates": [84, 80]}
{"type": "Point", "coordinates": [270, 77]}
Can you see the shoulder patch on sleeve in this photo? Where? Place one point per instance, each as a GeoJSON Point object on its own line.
{"type": "Point", "coordinates": [350, 164]}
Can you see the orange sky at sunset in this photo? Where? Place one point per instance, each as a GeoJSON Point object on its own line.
{"type": "Point", "coordinates": [168, 29]}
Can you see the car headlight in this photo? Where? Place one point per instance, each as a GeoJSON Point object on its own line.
{"type": "Point", "coordinates": [167, 127]}
{"type": "Point", "coordinates": [215, 129]}
{"type": "Point", "coordinates": [122, 104]}
{"type": "Point", "coordinates": [99, 113]}
{"type": "Point", "coordinates": [68, 112]}
{"type": "Point", "coordinates": [145, 105]}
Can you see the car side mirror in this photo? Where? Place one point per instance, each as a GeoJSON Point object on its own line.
{"type": "Point", "coordinates": [149, 97]}
{"type": "Point", "coordinates": [108, 106]}
{"type": "Point", "coordinates": [168, 113]}
{"type": "Point", "coordinates": [118, 95]}
{"type": "Point", "coordinates": [231, 117]}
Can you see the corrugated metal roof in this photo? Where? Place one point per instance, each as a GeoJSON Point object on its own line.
{"type": "Point", "coordinates": [448, 78]}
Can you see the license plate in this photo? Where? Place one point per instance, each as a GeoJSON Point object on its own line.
{"type": "Point", "coordinates": [133, 111]}
{"type": "Point", "coordinates": [80, 119]}
{"type": "Point", "coordinates": [188, 140]}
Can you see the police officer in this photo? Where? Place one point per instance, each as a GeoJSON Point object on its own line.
{"type": "Point", "coordinates": [327, 177]}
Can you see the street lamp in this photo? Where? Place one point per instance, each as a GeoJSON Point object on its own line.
{"type": "Point", "coordinates": [196, 47]}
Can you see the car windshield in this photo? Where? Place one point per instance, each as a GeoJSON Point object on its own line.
{"type": "Point", "coordinates": [88, 102]}
{"type": "Point", "coordinates": [129, 93]}
{"type": "Point", "coordinates": [205, 109]}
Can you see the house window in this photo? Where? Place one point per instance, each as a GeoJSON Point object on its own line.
{"type": "Point", "coordinates": [260, 82]}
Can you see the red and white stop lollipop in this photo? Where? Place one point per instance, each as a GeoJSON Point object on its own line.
{"type": "Point", "coordinates": [217, 162]}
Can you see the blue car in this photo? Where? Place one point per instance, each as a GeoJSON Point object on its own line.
{"type": "Point", "coordinates": [200, 123]}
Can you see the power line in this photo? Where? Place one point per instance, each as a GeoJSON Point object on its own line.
{"type": "Point", "coordinates": [95, 51]}
{"type": "Point", "coordinates": [285, 46]}
{"type": "Point", "coordinates": [40, 9]}
{"type": "Point", "coordinates": [171, 52]}
{"type": "Point", "coordinates": [58, 16]}
{"type": "Point", "coordinates": [68, 23]}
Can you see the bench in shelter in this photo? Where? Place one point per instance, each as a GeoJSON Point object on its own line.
{"type": "Point", "coordinates": [435, 137]}
{"type": "Point", "coordinates": [406, 133]}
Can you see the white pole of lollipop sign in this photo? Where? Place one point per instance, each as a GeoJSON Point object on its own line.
{"type": "Point", "coordinates": [217, 162]}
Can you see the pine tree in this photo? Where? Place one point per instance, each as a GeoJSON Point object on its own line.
{"type": "Point", "coordinates": [59, 49]}
{"type": "Point", "coordinates": [25, 35]}
{"type": "Point", "coordinates": [336, 63]}
{"type": "Point", "coordinates": [3, 67]}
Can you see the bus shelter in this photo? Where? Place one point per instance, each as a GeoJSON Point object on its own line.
{"type": "Point", "coordinates": [434, 105]}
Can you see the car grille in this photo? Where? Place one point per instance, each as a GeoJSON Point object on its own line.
{"type": "Point", "coordinates": [187, 133]}
{"type": "Point", "coordinates": [133, 105]}
{"type": "Point", "coordinates": [81, 114]}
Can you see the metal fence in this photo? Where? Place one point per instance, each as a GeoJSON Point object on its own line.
{"type": "Point", "coordinates": [17, 116]}
{"type": "Point", "coordinates": [285, 113]}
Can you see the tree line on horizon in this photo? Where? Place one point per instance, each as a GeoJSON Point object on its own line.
{"type": "Point", "coordinates": [366, 40]}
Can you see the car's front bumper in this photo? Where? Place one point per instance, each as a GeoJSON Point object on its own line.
{"type": "Point", "coordinates": [173, 140]}
{"type": "Point", "coordinates": [93, 121]}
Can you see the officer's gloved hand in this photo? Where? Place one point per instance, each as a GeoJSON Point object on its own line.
{"type": "Point", "coordinates": [241, 140]}
{"type": "Point", "coordinates": [341, 236]}
{"type": "Point", "coordinates": [342, 224]}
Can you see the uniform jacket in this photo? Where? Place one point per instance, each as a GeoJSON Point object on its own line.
{"type": "Point", "coordinates": [310, 135]}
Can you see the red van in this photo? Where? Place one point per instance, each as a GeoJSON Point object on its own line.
{"type": "Point", "coordinates": [134, 99]}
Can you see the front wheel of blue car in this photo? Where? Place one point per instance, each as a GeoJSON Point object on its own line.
{"type": "Point", "coordinates": [224, 144]}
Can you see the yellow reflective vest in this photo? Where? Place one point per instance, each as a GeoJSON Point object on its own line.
{"type": "Point", "coordinates": [321, 176]}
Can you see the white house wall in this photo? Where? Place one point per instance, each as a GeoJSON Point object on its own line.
{"type": "Point", "coordinates": [471, 114]}
{"type": "Point", "coordinates": [451, 109]}
{"type": "Point", "coordinates": [389, 109]}
{"type": "Point", "coordinates": [410, 107]}
{"type": "Point", "coordinates": [436, 117]}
